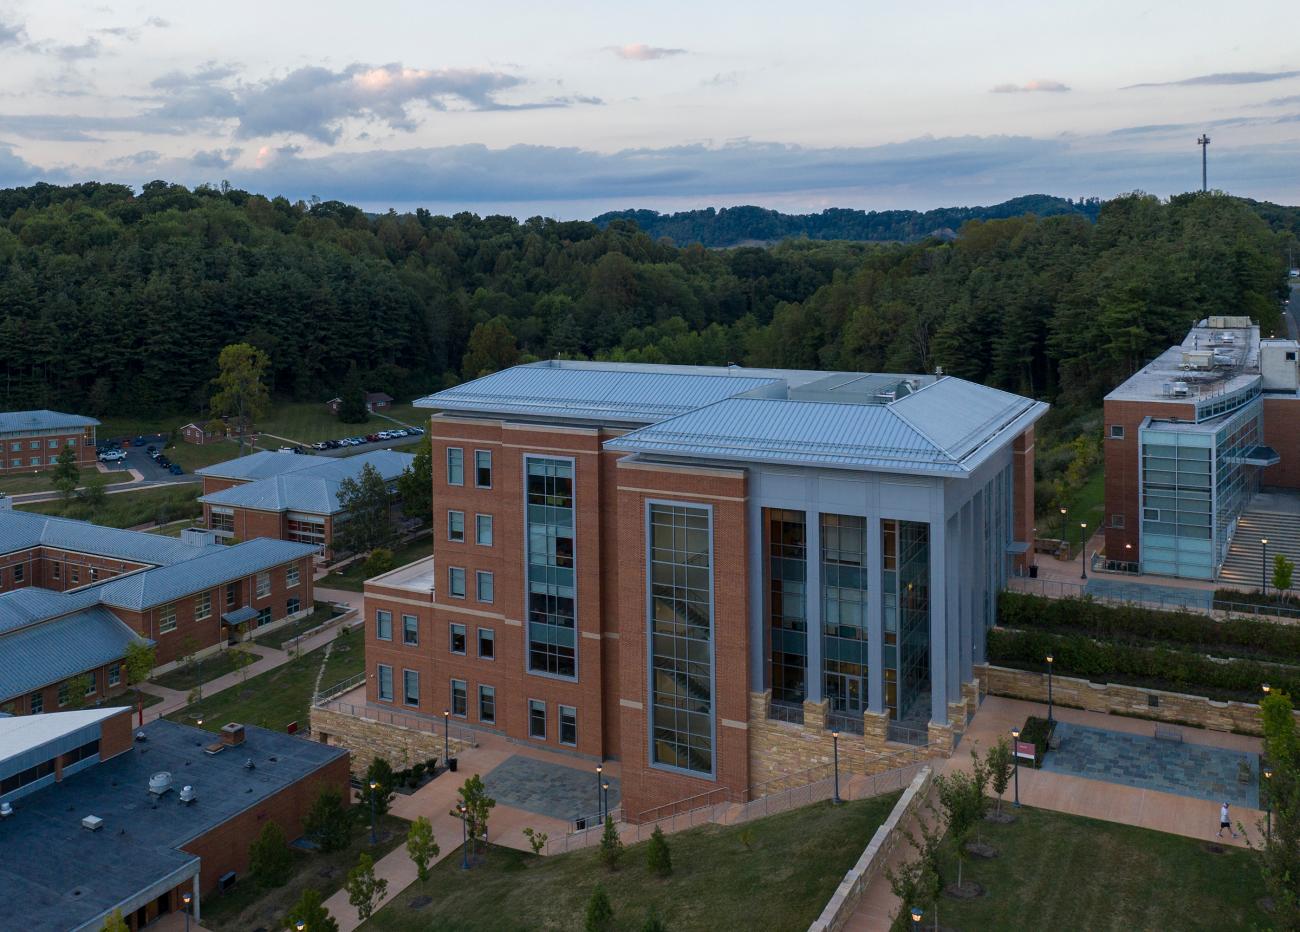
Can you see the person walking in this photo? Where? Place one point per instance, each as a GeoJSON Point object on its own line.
{"type": "Point", "coordinates": [1225, 821]}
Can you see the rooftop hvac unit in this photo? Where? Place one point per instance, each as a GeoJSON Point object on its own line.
{"type": "Point", "coordinates": [1198, 359]}
{"type": "Point", "coordinates": [198, 537]}
{"type": "Point", "coordinates": [187, 794]}
{"type": "Point", "coordinates": [6, 810]}
{"type": "Point", "coordinates": [92, 823]}
{"type": "Point", "coordinates": [1179, 390]}
{"type": "Point", "coordinates": [160, 783]}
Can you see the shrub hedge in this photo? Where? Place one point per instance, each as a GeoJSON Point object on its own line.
{"type": "Point", "coordinates": [1279, 603]}
{"type": "Point", "coordinates": [1154, 667]}
{"type": "Point", "coordinates": [1243, 638]}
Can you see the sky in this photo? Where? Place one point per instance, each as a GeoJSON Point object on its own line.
{"type": "Point", "coordinates": [570, 109]}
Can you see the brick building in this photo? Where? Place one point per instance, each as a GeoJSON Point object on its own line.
{"type": "Point", "coordinates": [1190, 441]}
{"type": "Point", "coordinates": [375, 401]}
{"type": "Point", "coordinates": [100, 818]}
{"type": "Point", "coordinates": [32, 440]}
{"type": "Point", "coordinates": [286, 496]}
{"type": "Point", "coordinates": [73, 595]}
{"type": "Point", "coordinates": [647, 563]}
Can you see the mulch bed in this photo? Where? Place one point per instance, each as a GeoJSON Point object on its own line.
{"type": "Point", "coordinates": [968, 890]}
{"type": "Point", "coordinates": [981, 849]}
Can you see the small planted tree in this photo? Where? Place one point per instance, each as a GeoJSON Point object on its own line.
{"type": "Point", "coordinates": [1000, 764]}
{"type": "Point", "coordinates": [327, 824]}
{"type": "Point", "coordinates": [380, 772]}
{"type": "Point", "coordinates": [269, 858]}
{"type": "Point", "coordinates": [611, 846]}
{"type": "Point", "coordinates": [919, 882]}
{"type": "Point", "coordinates": [478, 806]}
{"type": "Point", "coordinates": [115, 923]}
{"type": "Point", "coordinates": [67, 474]}
{"type": "Point", "coordinates": [365, 890]}
{"type": "Point", "coordinates": [1283, 569]}
{"type": "Point", "coordinates": [962, 797]}
{"type": "Point", "coordinates": [536, 840]}
{"type": "Point", "coordinates": [366, 503]}
{"type": "Point", "coordinates": [652, 922]}
{"type": "Point", "coordinates": [600, 914]}
{"type": "Point", "coordinates": [139, 663]}
{"type": "Point", "coordinates": [78, 687]}
{"type": "Point", "coordinates": [658, 858]}
{"type": "Point", "coordinates": [421, 846]}
{"type": "Point", "coordinates": [311, 912]}
{"type": "Point", "coordinates": [379, 562]}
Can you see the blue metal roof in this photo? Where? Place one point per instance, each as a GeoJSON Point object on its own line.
{"type": "Point", "coordinates": [314, 490]}
{"type": "Point", "coordinates": [20, 530]}
{"type": "Point", "coordinates": [959, 416]}
{"type": "Point", "coordinates": [19, 422]}
{"type": "Point", "coordinates": [22, 607]}
{"type": "Point", "coordinates": [260, 465]}
{"type": "Point", "coordinates": [39, 655]}
{"type": "Point", "coordinates": [590, 392]}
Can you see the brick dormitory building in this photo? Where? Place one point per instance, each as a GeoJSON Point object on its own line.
{"type": "Point", "coordinates": [703, 571]}
{"type": "Point", "coordinates": [73, 595]}
{"type": "Point", "coordinates": [31, 441]}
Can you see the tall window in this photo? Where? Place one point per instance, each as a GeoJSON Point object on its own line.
{"type": "Point", "coordinates": [568, 725]}
{"type": "Point", "coordinates": [20, 572]}
{"type": "Point", "coordinates": [115, 674]}
{"type": "Point", "coordinates": [411, 687]}
{"type": "Point", "coordinates": [552, 619]}
{"type": "Point", "coordinates": [681, 637]}
{"type": "Point", "coordinates": [37, 703]}
{"type": "Point", "coordinates": [385, 676]}
{"type": "Point", "coordinates": [455, 466]}
{"type": "Point", "coordinates": [483, 530]}
{"type": "Point", "coordinates": [456, 526]}
{"type": "Point", "coordinates": [292, 606]}
{"type": "Point", "coordinates": [221, 519]}
{"type": "Point", "coordinates": [291, 576]}
{"type": "Point", "coordinates": [203, 606]}
{"type": "Point", "coordinates": [484, 585]}
{"type": "Point", "coordinates": [537, 719]}
{"type": "Point", "coordinates": [487, 644]}
{"type": "Point", "coordinates": [459, 698]}
{"type": "Point", "coordinates": [487, 705]}
{"type": "Point", "coordinates": [905, 601]}
{"type": "Point", "coordinates": [410, 630]}
{"type": "Point", "coordinates": [456, 582]}
{"type": "Point", "coordinates": [232, 593]}
{"type": "Point", "coordinates": [788, 603]}
{"type": "Point", "coordinates": [263, 585]}
{"type": "Point", "coordinates": [383, 625]}
{"type": "Point", "coordinates": [167, 618]}
{"type": "Point", "coordinates": [457, 640]}
{"type": "Point", "coordinates": [844, 611]}
{"type": "Point", "coordinates": [483, 469]}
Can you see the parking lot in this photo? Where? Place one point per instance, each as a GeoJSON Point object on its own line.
{"type": "Point", "coordinates": [141, 462]}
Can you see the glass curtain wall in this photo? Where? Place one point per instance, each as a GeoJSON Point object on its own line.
{"type": "Point", "coordinates": [787, 603]}
{"type": "Point", "coordinates": [552, 635]}
{"type": "Point", "coordinates": [905, 599]}
{"type": "Point", "coordinates": [1236, 482]}
{"type": "Point", "coordinates": [681, 637]}
{"type": "Point", "coordinates": [1177, 504]}
{"type": "Point", "coordinates": [844, 612]}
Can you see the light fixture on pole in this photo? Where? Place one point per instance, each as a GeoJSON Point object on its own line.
{"type": "Point", "coordinates": [1015, 756]}
{"type": "Point", "coordinates": [446, 741]}
{"type": "Point", "coordinates": [300, 926]}
{"type": "Point", "coordinates": [464, 837]}
{"type": "Point", "coordinates": [1050, 660]}
{"type": "Point", "coordinates": [1064, 512]}
{"type": "Point", "coordinates": [604, 798]}
{"type": "Point", "coordinates": [835, 743]}
{"type": "Point", "coordinates": [1083, 549]}
{"type": "Point", "coordinates": [600, 810]}
{"type": "Point", "coordinates": [374, 791]}
{"type": "Point", "coordinates": [187, 899]}
{"type": "Point", "coordinates": [1268, 800]}
{"type": "Point", "coordinates": [1266, 688]}
{"type": "Point", "coordinates": [917, 913]}
{"type": "Point", "coordinates": [1263, 564]}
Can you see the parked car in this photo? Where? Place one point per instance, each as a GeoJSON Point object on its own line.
{"type": "Point", "coordinates": [175, 470]}
{"type": "Point", "coordinates": [111, 456]}
{"type": "Point", "coordinates": [321, 445]}
{"type": "Point", "coordinates": [372, 438]}
{"type": "Point", "coordinates": [138, 442]}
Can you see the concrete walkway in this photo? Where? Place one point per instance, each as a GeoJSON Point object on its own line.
{"type": "Point", "coordinates": [1097, 799]}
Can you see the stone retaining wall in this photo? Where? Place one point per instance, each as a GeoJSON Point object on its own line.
{"type": "Point", "coordinates": [1135, 701]}
{"type": "Point", "coordinates": [844, 901]}
{"type": "Point", "coordinates": [368, 739]}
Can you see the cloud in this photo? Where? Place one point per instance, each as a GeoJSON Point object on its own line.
{"type": "Point", "coordinates": [722, 79]}
{"type": "Point", "coordinates": [91, 48]}
{"type": "Point", "coordinates": [16, 171]}
{"type": "Point", "coordinates": [132, 33]}
{"type": "Point", "coordinates": [12, 34]}
{"type": "Point", "coordinates": [639, 51]}
{"type": "Point", "coordinates": [1051, 87]}
{"type": "Point", "coordinates": [1225, 77]}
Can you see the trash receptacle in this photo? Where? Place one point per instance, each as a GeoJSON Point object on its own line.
{"type": "Point", "coordinates": [1033, 571]}
{"type": "Point", "coordinates": [451, 764]}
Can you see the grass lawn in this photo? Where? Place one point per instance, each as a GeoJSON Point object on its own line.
{"type": "Point", "coordinates": [248, 906]}
{"type": "Point", "coordinates": [354, 577]}
{"type": "Point", "coordinates": [128, 509]}
{"type": "Point", "coordinates": [192, 456]}
{"type": "Point", "coordinates": [1088, 503]}
{"type": "Point", "coordinates": [780, 881]}
{"type": "Point", "coordinates": [320, 613]}
{"type": "Point", "coordinates": [44, 482]}
{"type": "Point", "coordinates": [1068, 872]}
{"type": "Point", "coordinates": [277, 697]}
{"type": "Point", "coordinates": [307, 422]}
{"type": "Point", "coordinates": [209, 668]}
{"type": "Point", "coordinates": [173, 529]}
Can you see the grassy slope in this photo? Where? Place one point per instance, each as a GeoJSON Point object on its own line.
{"type": "Point", "coordinates": [307, 422]}
{"type": "Point", "coordinates": [1057, 871]}
{"type": "Point", "coordinates": [354, 577]}
{"type": "Point", "coordinates": [1088, 503]}
{"type": "Point", "coordinates": [209, 668]}
{"type": "Point", "coordinates": [127, 509]}
{"type": "Point", "coordinates": [780, 883]}
{"type": "Point", "coordinates": [44, 482]}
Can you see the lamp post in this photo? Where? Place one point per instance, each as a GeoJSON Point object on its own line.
{"type": "Point", "coordinates": [835, 744]}
{"type": "Point", "coordinates": [1083, 549]}
{"type": "Point", "coordinates": [1268, 801]}
{"type": "Point", "coordinates": [604, 799]}
{"type": "Point", "coordinates": [300, 926]}
{"type": "Point", "coordinates": [187, 899]}
{"type": "Point", "coordinates": [1015, 757]}
{"type": "Point", "coordinates": [917, 913]}
{"type": "Point", "coordinates": [1063, 514]}
{"type": "Point", "coordinates": [600, 809]}
{"type": "Point", "coordinates": [1263, 564]}
{"type": "Point", "coordinates": [446, 727]}
{"type": "Point", "coordinates": [464, 837]}
{"type": "Point", "coordinates": [374, 788]}
{"type": "Point", "coordinates": [1266, 688]}
{"type": "Point", "coordinates": [1050, 660]}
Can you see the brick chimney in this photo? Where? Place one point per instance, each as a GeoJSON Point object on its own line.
{"type": "Point", "coordinates": [232, 734]}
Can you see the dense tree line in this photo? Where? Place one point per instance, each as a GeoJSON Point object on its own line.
{"type": "Point", "coordinates": [116, 302]}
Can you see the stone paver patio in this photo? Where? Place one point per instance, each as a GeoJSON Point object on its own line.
{"type": "Point", "coordinates": [1145, 762]}
{"type": "Point", "coordinates": [547, 789]}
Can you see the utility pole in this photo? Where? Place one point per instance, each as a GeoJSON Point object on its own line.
{"type": "Point", "coordinates": [1204, 143]}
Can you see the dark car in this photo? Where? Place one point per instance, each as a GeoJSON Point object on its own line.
{"type": "Point", "coordinates": [150, 449]}
{"type": "Point", "coordinates": [372, 438]}
{"type": "Point", "coordinates": [175, 470]}
{"type": "Point", "coordinates": [164, 462]}
{"type": "Point", "coordinates": [138, 442]}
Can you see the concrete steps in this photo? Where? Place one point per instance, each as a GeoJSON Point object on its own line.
{"type": "Point", "coordinates": [1244, 566]}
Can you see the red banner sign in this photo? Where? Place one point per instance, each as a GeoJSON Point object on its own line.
{"type": "Point", "coordinates": [1025, 749]}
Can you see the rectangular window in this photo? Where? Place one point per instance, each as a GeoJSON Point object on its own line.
{"type": "Point", "coordinates": [115, 674]}
{"type": "Point", "coordinates": [263, 617]}
{"type": "Point", "coordinates": [36, 461]}
{"type": "Point", "coordinates": [1116, 431]}
{"type": "Point", "coordinates": [483, 585]}
{"type": "Point", "coordinates": [36, 444]}
{"type": "Point", "coordinates": [94, 573]}
{"type": "Point", "coordinates": [410, 630]}
{"type": "Point", "coordinates": [76, 573]}
{"type": "Point", "coordinates": [680, 561]}
{"type": "Point", "coordinates": [459, 699]}
{"type": "Point", "coordinates": [385, 676]}
{"type": "Point", "coordinates": [1117, 521]}
{"type": "Point", "coordinates": [291, 576]}
{"type": "Point", "coordinates": [456, 582]}
{"type": "Point", "coordinates": [569, 726]}
{"type": "Point", "coordinates": [411, 687]}
{"type": "Point", "coordinates": [455, 466]}
{"type": "Point", "coordinates": [483, 469]}
{"type": "Point", "coordinates": [63, 694]}
{"type": "Point", "coordinates": [487, 644]}
{"type": "Point", "coordinates": [221, 519]}
{"type": "Point", "coordinates": [91, 688]}
{"type": "Point", "coordinates": [292, 606]}
{"type": "Point", "coordinates": [167, 618]}
{"type": "Point", "coordinates": [456, 641]}
{"type": "Point", "coordinates": [54, 461]}
{"type": "Point", "coordinates": [54, 444]}
{"type": "Point", "coordinates": [383, 625]}
{"type": "Point", "coordinates": [305, 529]}
{"type": "Point", "coordinates": [1150, 514]}
{"type": "Point", "coordinates": [483, 530]}
{"type": "Point", "coordinates": [787, 567]}
{"type": "Point", "coordinates": [232, 593]}
{"type": "Point", "coordinates": [263, 585]}
{"type": "Point", "coordinates": [37, 703]}
{"type": "Point", "coordinates": [537, 719]}
{"type": "Point", "coordinates": [487, 705]}
{"type": "Point", "coordinates": [456, 526]}
{"type": "Point", "coordinates": [203, 606]}
{"type": "Point", "coordinates": [844, 612]}
{"type": "Point", "coordinates": [552, 612]}
{"type": "Point", "coordinates": [20, 572]}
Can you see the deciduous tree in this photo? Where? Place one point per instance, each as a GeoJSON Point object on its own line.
{"type": "Point", "coordinates": [241, 393]}
{"type": "Point", "coordinates": [367, 512]}
{"type": "Point", "coordinates": [422, 846]}
{"type": "Point", "coordinates": [365, 890]}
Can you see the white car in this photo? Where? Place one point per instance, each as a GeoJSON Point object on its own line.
{"type": "Point", "coordinates": [111, 456]}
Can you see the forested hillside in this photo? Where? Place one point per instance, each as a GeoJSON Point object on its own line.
{"type": "Point", "coordinates": [113, 302]}
{"type": "Point", "coordinates": [731, 226]}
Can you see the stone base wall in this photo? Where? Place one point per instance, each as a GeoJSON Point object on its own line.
{"type": "Point", "coordinates": [1135, 701]}
{"type": "Point", "coordinates": [368, 739]}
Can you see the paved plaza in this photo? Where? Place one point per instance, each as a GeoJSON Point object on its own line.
{"type": "Point", "coordinates": [1172, 597]}
{"type": "Point", "coordinates": [1149, 763]}
{"type": "Point", "coordinates": [548, 789]}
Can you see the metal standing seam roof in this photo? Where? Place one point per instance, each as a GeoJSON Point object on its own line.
{"type": "Point", "coordinates": [29, 605]}
{"type": "Point", "coordinates": [17, 422]}
{"type": "Point", "coordinates": [623, 395]}
{"type": "Point", "coordinates": [959, 416]}
{"type": "Point", "coordinates": [260, 465]}
{"type": "Point", "coordinates": [41, 654]}
{"type": "Point", "coordinates": [20, 530]}
{"type": "Point", "coordinates": [314, 490]}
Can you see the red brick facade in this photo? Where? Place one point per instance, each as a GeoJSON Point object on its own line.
{"type": "Point", "coordinates": [26, 453]}
{"type": "Point", "coordinates": [1282, 433]}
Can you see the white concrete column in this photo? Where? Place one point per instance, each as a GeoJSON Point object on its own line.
{"type": "Point", "coordinates": [197, 914]}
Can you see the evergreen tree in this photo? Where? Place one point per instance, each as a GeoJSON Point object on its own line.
{"type": "Point", "coordinates": [368, 509]}
{"type": "Point", "coordinates": [269, 859]}
{"type": "Point", "coordinates": [352, 398]}
{"type": "Point", "coordinates": [415, 484]}
{"type": "Point", "coordinates": [66, 473]}
{"type": "Point", "coordinates": [600, 915]}
{"type": "Point", "coordinates": [611, 845]}
{"type": "Point", "coordinates": [327, 824]}
{"type": "Point", "coordinates": [311, 912]}
{"type": "Point", "coordinates": [658, 858]}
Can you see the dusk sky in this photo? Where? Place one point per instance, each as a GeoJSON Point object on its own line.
{"type": "Point", "coordinates": [570, 109]}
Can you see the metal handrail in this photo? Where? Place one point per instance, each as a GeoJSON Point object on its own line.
{"type": "Point", "coordinates": [338, 689]}
{"type": "Point", "coordinates": [400, 719]}
{"type": "Point", "coordinates": [845, 721]}
{"type": "Point", "coordinates": [1064, 589]}
{"type": "Point", "coordinates": [790, 713]}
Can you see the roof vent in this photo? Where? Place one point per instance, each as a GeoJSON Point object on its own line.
{"type": "Point", "coordinates": [141, 736]}
{"type": "Point", "coordinates": [249, 765]}
{"type": "Point", "coordinates": [187, 794]}
{"type": "Point", "coordinates": [6, 810]}
{"type": "Point", "coordinates": [92, 823]}
{"type": "Point", "coordinates": [232, 734]}
{"type": "Point", "coordinates": [160, 783]}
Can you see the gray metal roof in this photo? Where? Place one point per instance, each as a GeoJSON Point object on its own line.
{"type": "Point", "coordinates": [624, 394]}
{"type": "Point", "coordinates": [314, 490]}
{"type": "Point", "coordinates": [18, 422]}
{"type": "Point", "coordinates": [49, 855]}
{"type": "Point", "coordinates": [20, 530]}
{"type": "Point", "coordinates": [260, 465]}
{"type": "Point", "coordinates": [958, 416]}
{"type": "Point", "coordinates": [39, 655]}
{"type": "Point", "coordinates": [22, 607]}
